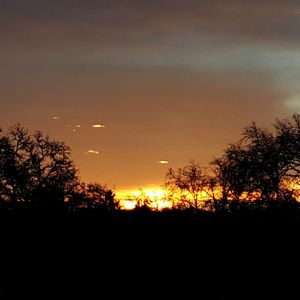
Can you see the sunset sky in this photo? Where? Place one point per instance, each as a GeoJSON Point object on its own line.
{"type": "Point", "coordinates": [161, 80]}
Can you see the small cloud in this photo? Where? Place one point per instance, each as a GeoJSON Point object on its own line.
{"type": "Point", "coordinates": [98, 126]}
{"type": "Point", "coordinates": [77, 126]}
{"type": "Point", "coordinates": [293, 102]}
{"type": "Point", "coordinates": [74, 129]}
{"type": "Point", "coordinates": [163, 162]}
{"type": "Point", "coordinates": [55, 118]}
{"type": "Point", "coordinates": [69, 126]}
{"type": "Point", "coordinates": [92, 152]}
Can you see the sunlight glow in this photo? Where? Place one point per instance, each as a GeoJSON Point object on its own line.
{"type": "Point", "coordinates": [155, 198]}
{"type": "Point", "coordinates": [153, 194]}
{"type": "Point", "coordinates": [128, 204]}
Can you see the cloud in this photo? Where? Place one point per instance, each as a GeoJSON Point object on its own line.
{"type": "Point", "coordinates": [96, 152]}
{"type": "Point", "coordinates": [98, 126]}
{"type": "Point", "coordinates": [134, 23]}
{"type": "Point", "coordinates": [163, 162]}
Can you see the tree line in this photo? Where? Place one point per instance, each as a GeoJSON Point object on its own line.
{"type": "Point", "coordinates": [38, 173]}
{"type": "Point", "coordinates": [260, 170]}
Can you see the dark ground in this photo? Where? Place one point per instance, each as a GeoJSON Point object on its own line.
{"type": "Point", "coordinates": [150, 255]}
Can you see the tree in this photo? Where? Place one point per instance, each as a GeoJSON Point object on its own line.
{"type": "Point", "coordinates": [34, 170]}
{"type": "Point", "coordinates": [189, 182]}
{"type": "Point", "coordinates": [262, 164]}
{"type": "Point", "coordinates": [288, 139]}
{"type": "Point", "coordinates": [93, 196]}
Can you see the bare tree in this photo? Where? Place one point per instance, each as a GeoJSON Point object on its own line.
{"type": "Point", "coordinates": [288, 140]}
{"type": "Point", "coordinates": [189, 182]}
{"type": "Point", "coordinates": [263, 164]}
{"type": "Point", "coordinates": [34, 169]}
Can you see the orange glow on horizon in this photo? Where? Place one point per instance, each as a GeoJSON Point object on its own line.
{"type": "Point", "coordinates": [129, 198]}
{"type": "Point", "coordinates": [157, 197]}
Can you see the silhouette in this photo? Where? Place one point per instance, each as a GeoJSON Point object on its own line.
{"type": "Point", "coordinates": [92, 196]}
{"type": "Point", "coordinates": [188, 182]}
{"type": "Point", "coordinates": [35, 172]}
{"type": "Point", "coordinates": [60, 235]}
{"type": "Point", "coordinates": [262, 164]}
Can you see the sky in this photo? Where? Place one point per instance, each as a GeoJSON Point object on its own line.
{"type": "Point", "coordinates": [166, 80]}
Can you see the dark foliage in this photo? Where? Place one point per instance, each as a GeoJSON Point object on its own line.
{"type": "Point", "coordinates": [92, 197]}
{"type": "Point", "coordinates": [64, 238]}
{"type": "Point", "coordinates": [263, 164]}
{"type": "Point", "coordinates": [34, 171]}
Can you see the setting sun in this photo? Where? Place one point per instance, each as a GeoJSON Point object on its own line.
{"type": "Point", "coordinates": [129, 199]}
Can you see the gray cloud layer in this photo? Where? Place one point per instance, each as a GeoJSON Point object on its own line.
{"type": "Point", "coordinates": [139, 21]}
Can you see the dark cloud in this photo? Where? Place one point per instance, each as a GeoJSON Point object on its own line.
{"type": "Point", "coordinates": [138, 22]}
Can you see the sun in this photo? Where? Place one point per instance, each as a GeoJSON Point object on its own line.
{"type": "Point", "coordinates": [130, 198]}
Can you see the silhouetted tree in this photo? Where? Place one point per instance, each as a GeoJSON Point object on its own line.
{"type": "Point", "coordinates": [93, 196]}
{"type": "Point", "coordinates": [34, 170]}
{"type": "Point", "coordinates": [263, 164]}
{"type": "Point", "coordinates": [188, 182]}
{"type": "Point", "coordinates": [234, 173]}
{"type": "Point", "coordinates": [288, 141]}
{"type": "Point", "coordinates": [143, 202]}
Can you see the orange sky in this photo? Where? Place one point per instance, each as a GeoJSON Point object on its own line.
{"type": "Point", "coordinates": [170, 80]}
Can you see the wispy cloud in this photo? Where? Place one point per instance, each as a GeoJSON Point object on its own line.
{"type": "Point", "coordinates": [98, 126]}
{"type": "Point", "coordinates": [163, 162]}
{"type": "Point", "coordinates": [91, 151]}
